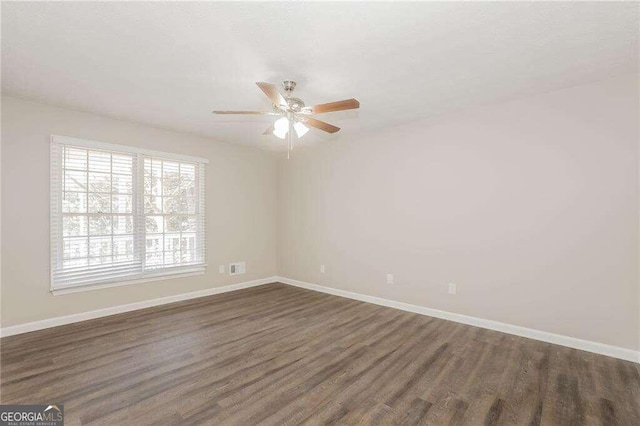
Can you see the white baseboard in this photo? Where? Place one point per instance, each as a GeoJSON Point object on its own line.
{"type": "Point", "coordinates": [572, 342]}
{"type": "Point", "coordinates": [68, 319]}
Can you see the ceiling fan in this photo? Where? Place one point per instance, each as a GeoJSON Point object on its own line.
{"type": "Point", "coordinates": [294, 115]}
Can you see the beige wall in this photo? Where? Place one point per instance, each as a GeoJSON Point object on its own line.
{"type": "Point", "coordinates": [240, 209]}
{"type": "Point", "coordinates": [530, 206]}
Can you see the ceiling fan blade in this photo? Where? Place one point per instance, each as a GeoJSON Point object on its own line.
{"type": "Point", "coordinates": [269, 130]}
{"type": "Point", "coordinates": [272, 93]}
{"type": "Point", "coordinates": [334, 106]}
{"type": "Point", "coordinates": [329, 128]}
{"type": "Point", "coordinates": [247, 112]}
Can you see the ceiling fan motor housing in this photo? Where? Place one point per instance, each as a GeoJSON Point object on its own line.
{"type": "Point", "coordinates": [295, 104]}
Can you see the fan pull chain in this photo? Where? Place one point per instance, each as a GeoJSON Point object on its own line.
{"type": "Point", "coordinates": [290, 134]}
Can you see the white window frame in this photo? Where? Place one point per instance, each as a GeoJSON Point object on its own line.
{"type": "Point", "coordinates": [138, 193]}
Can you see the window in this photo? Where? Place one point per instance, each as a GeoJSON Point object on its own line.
{"type": "Point", "coordinates": [121, 215]}
{"type": "Point", "coordinates": [170, 206]}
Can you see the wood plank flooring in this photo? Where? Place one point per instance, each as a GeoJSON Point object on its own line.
{"type": "Point", "coordinates": [278, 355]}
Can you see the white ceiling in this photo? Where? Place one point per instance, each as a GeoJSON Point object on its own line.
{"type": "Point", "coordinates": [170, 64]}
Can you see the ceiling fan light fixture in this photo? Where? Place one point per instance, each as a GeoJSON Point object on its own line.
{"type": "Point", "coordinates": [301, 129]}
{"type": "Point", "coordinates": [282, 124]}
{"type": "Point", "coordinates": [281, 127]}
{"type": "Point", "coordinates": [280, 133]}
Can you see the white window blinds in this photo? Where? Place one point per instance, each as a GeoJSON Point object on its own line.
{"type": "Point", "coordinates": [119, 214]}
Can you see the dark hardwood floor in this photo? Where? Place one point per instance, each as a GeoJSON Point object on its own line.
{"type": "Point", "coordinates": [281, 355]}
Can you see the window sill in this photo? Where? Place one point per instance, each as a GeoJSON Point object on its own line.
{"type": "Point", "coordinates": [88, 287]}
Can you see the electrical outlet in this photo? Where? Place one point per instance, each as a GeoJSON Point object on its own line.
{"type": "Point", "coordinates": [452, 288]}
{"type": "Point", "coordinates": [237, 268]}
{"type": "Point", "coordinates": [389, 278]}
{"type": "Point", "coordinates": [221, 269]}
{"type": "Point", "coordinates": [322, 269]}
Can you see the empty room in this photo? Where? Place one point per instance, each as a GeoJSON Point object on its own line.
{"type": "Point", "coordinates": [283, 213]}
